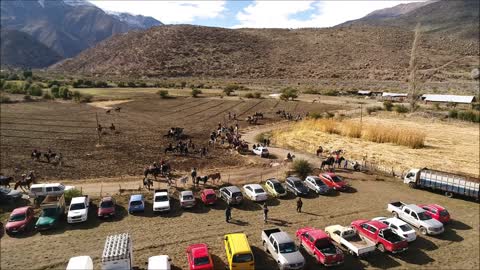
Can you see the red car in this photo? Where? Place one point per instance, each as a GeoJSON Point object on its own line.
{"type": "Point", "coordinates": [318, 244]}
{"type": "Point", "coordinates": [381, 235]}
{"type": "Point", "coordinates": [21, 219]}
{"type": "Point", "coordinates": [199, 258]}
{"type": "Point", "coordinates": [436, 212]}
{"type": "Point", "coordinates": [106, 208]}
{"type": "Point", "coordinates": [208, 196]}
{"type": "Point", "coordinates": [334, 181]}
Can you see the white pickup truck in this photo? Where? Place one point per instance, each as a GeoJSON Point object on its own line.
{"type": "Point", "coordinates": [161, 200]}
{"type": "Point", "coordinates": [283, 249]}
{"type": "Point", "coordinates": [416, 216]}
{"type": "Point", "coordinates": [351, 240]}
{"type": "Point", "coordinates": [78, 210]}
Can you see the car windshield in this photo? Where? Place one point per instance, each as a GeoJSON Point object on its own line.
{"type": "Point", "coordinates": [444, 213]}
{"type": "Point", "coordinates": [423, 216]}
{"type": "Point", "coordinates": [405, 227]}
{"type": "Point", "coordinates": [49, 212]}
{"type": "Point", "coordinates": [106, 204]}
{"type": "Point", "coordinates": [336, 179]}
{"type": "Point", "coordinates": [134, 203]}
{"type": "Point", "coordinates": [162, 198]}
{"type": "Point", "coordinates": [211, 196]}
{"type": "Point", "coordinates": [259, 190]}
{"type": "Point", "coordinates": [287, 247]}
{"type": "Point", "coordinates": [298, 184]}
{"type": "Point", "coordinates": [278, 187]}
{"type": "Point", "coordinates": [77, 206]}
{"type": "Point", "coordinates": [201, 261]}
{"type": "Point", "coordinates": [264, 150]}
{"type": "Point", "coordinates": [4, 190]}
{"type": "Point", "coordinates": [236, 194]}
{"type": "Point", "coordinates": [319, 182]}
{"type": "Point", "coordinates": [242, 258]}
{"type": "Point", "coordinates": [17, 217]}
{"type": "Point", "coordinates": [188, 197]}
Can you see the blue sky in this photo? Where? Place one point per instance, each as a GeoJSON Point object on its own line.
{"type": "Point", "coordinates": [256, 14]}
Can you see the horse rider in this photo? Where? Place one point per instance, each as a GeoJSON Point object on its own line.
{"type": "Point", "coordinates": [194, 175]}
{"type": "Point", "coordinates": [289, 156]}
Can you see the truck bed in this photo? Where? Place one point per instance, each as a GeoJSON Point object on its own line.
{"type": "Point", "coordinates": [358, 241]}
{"type": "Point", "coordinates": [449, 182]}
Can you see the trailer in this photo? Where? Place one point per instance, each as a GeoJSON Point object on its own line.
{"type": "Point", "coordinates": [117, 253]}
{"type": "Point", "coordinates": [451, 184]}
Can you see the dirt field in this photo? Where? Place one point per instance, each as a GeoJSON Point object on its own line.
{"type": "Point", "coordinates": [170, 234]}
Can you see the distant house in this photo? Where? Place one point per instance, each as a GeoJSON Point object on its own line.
{"type": "Point", "coordinates": [452, 99]}
{"type": "Point", "coordinates": [394, 96]}
{"type": "Point", "coordinates": [369, 93]}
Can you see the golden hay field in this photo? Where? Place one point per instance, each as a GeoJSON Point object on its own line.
{"type": "Point", "coordinates": [449, 146]}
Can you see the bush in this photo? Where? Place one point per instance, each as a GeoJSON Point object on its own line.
{"type": "Point", "coordinates": [55, 90]}
{"type": "Point", "coordinates": [101, 84]}
{"type": "Point", "coordinates": [315, 115]}
{"type": "Point", "coordinates": [47, 96]}
{"type": "Point", "coordinates": [35, 90]}
{"type": "Point", "coordinates": [452, 114]}
{"type": "Point", "coordinates": [13, 77]}
{"type": "Point", "coordinates": [330, 115]}
{"type": "Point", "coordinates": [27, 74]}
{"type": "Point", "coordinates": [76, 96]}
{"type": "Point", "coordinates": [373, 109]}
{"type": "Point", "coordinates": [399, 108]}
{"type": "Point", "coordinates": [332, 93]}
{"type": "Point", "coordinates": [471, 116]}
{"type": "Point", "coordinates": [249, 95]}
{"type": "Point", "coordinates": [131, 84]}
{"type": "Point", "coordinates": [71, 193]}
{"type": "Point", "coordinates": [289, 93]}
{"type": "Point", "coordinates": [257, 94]}
{"type": "Point", "coordinates": [229, 89]}
{"type": "Point", "coordinates": [260, 137]}
{"type": "Point", "coordinates": [64, 93]}
{"type": "Point", "coordinates": [142, 84]}
{"type": "Point", "coordinates": [312, 92]}
{"type": "Point", "coordinates": [388, 105]}
{"type": "Point", "coordinates": [183, 84]}
{"type": "Point", "coordinates": [52, 83]}
{"type": "Point", "coordinates": [195, 92]}
{"type": "Point", "coordinates": [86, 98]}
{"type": "Point", "coordinates": [163, 93]}
{"type": "Point", "coordinates": [27, 98]}
{"type": "Point", "coordinates": [302, 168]}
{"type": "Point", "coordinates": [121, 84]}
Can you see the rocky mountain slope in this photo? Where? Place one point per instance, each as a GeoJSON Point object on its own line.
{"type": "Point", "coordinates": [19, 49]}
{"type": "Point", "coordinates": [67, 26]}
{"type": "Point", "coordinates": [353, 52]}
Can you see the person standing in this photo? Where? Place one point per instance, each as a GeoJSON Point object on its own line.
{"type": "Point", "coordinates": [299, 205]}
{"type": "Point", "coordinates": [265, 213]}
{"type": "Point", "coordinates": [194, 175]}
{"type": "Point", "coordinates": [228, 214]}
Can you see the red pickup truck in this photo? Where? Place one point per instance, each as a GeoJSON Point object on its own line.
{"type": "Point", "coordinates": [383, 237]}
{"type": "Point", "coordinates": [318, 244]}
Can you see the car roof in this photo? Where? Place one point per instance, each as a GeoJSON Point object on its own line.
{"type": "Point", "coordinates": [415, 208]}
{"type": "Point", "coordinates": [254, 186]}
{"type": "Point", "coordinates": [293, 178]}
{"type": "Point", "coordinates": [395, 221]}
{"type": "Point", "coordinates": [78, 200]}
{"type": "Point", "coordinates": [317, 233]}
{"type": "Point", "coordinates": [313, 176]}
{"type": "Point", "coordinates": [136, 197]}
{"type": "Point", "coordinates": [208, 191]}
{"type": "Point", "coordinates": [106, 199]}
{"type": "Point", "coordinates": [233, 188]}
{"type": "Point", "coordinates": [20, 210]}
{"type": "Point", "coordinates": [330, 174]}
{"type": "Point", "coordinates": [273, 180]}
{"type": "Point", "coordinates": [282, 237]}
{"type": "Point", "coordinates": [186, 192]}
{"type": "Point", "coordinates": [377, 224]}
{"type": "Point", "coordinates": [434, 206]}
{"type": "Point", "coordinates": [199, 250]}
{"type": "Point", "coordinates": [45, 185]}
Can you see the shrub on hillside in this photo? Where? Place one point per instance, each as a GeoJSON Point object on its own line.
{"type": "Point", "coordinates": [399, 108]}
{"type": "Point", "coordinates": [302, 168]}
{"type": "Point", "coordinates": [289, 94]}
{"type": "Point", "coordinates": [27, 98]}
{"type": "Point", "coordinates": [35, 90]}
{"type": "Point", "coordinates": [86, 98]}
{"type": "Point", "coordinates": [183, 84]}
{"type": "Point", "coordinates": [64, 93]}
{"type": "Point", "coordinates": [47, 96]}
{"type": "Point", "coordinates": [332, 93]}
{"type": "Point", "coordinates": [55, 90]}
{"type": "Point", "coordinates": [311, 92]}
{"type": "Point", "coordinates": [163, 93]}
{"type": "Point", "coordinates": [315, 115]}
{"type": "Point", "coordinates": [388, 105]}
{"type": "Point", "coordinates": [452, 113]}
{"type": "Point", "coordinates": [370, 110]}
{"type": "Point", "coordinates": [76, 96]}
{"type": "Point", "coordinates": [195, 92]}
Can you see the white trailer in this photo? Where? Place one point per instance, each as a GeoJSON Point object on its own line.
{"type": "Point", "coordinates": [447, 182]}
{"type": "Point", "coordinates": [117, 253]}
{"type": "Point", "coordinates": [80, 263]}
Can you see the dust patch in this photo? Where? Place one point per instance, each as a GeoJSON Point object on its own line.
{"type": "Point", "coordinates": [107, 105]}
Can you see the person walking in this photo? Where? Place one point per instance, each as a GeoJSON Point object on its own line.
{"type": "Point", "coordinates": [228, 214]}
{"type": "Point", "coordinates": [194, 175]}
{"type": "Point", "coordinates": [299, 205]}
{"type": "Point", "coordinates": [265, 213]}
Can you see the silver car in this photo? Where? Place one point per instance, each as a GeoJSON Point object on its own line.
{"type": "Point", "coordinates": [317, 185]}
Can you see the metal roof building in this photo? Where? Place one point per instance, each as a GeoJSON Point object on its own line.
{"type": "Point", "coordinates": [449, 98]}
{"type": "Point", "coordinates": [394, 95]}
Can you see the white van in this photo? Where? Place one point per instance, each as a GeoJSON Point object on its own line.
{"type": "Point", "coordinates": [54, 189]}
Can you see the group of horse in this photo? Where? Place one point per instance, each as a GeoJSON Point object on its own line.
{"type": "Point", "coordinates": [27, 180]}
{"type": "Point", "coordinates": [116, 109]}
{"type": "Point", "coordinates": [253, 119]}
{"type": "Point", "coordinates": [51, 157]}
{"type": "Point", "coordinates": [289, 116]}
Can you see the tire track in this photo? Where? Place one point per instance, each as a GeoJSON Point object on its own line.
{"type": "Point", "coordinates": [255, 105]}
{"type": "Point", "coordinates": [223, 111]}
{"type": "Point", "coordinates": [204, 110]}
{"type": "Point", "coordinates": [181, 110]}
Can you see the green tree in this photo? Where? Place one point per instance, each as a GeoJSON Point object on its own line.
{"type": "Point", "coordinates": [163, 93]}
{"type": "Point", "coordinates": [289, 93]}
{"type": "Point", "coordinates": [302, 168]}
{"type": "Point", "coordinates": [195, 92]}
{"type": "Point", "coordinates": [27, 74]}
{"type": "Point", "coordinates": [388, 105]}
{"type": "Point", "coordinates": [35, 90]}
{"type": "Point", "coordinates": [64, 93]}
{"type": "Point", "coordinates": [55, 90]}
{"type": "Point", "coordinates": [76, 96]}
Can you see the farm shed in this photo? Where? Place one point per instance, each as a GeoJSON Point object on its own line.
{"type": "Point", "coordinates": [394, 96]}
{"type": "Point", "coordinates": [449, 99]}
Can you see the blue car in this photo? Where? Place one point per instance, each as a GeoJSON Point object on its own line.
{"type": "Point", "coordinates": [136, 203]}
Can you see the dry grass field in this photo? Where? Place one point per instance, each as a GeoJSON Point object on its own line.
{"type": "Point", "coordinates": [450, 146]}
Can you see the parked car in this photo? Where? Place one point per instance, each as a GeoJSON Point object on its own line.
{"type": "Point", "coordinates": [416, 216]}
{"type": "Point", "coordinates": [261, 151]}
{"type": "Point", "coordinates": [53, 209]}
{"type": "Point", "coordinates": [162, 262]}
{"type": "Point", "coordinates": [436, 212]}
{"type": "Point", "coordinates": [318, 244]}
{"type": "Point", "coordinates": [199, 258]}
{"type": "Point", "coordinates": [208, 196]}
{"type": "Point", "coordinates": [296, 186]}
{"type": "Point", "coordinates": [42, 190]}
{"type": "Point", "coordinates": [334, 181]}
{"type": "Point", "coordinates": [187, 200]}
{"type": "Point", "coordinates": [106, 208]}
{"type": "Point", "coordinates": [80, 263]}
{"type": "Point", "coordinates": [317, 185]}
{"type": "Point", "coordinates": [275, 188]}
{"type": "Point", "coordinates": [161, 200]}
{"type": "Point", "coordinates": [20, 220]}
{"type": "Point", "coordinates": [255, 192]}
{"type": "Point", "coordinates": [282, 248]}
{"type": "Point", "coordinates": [239, 252]}
{"type": "Point", "coordinates": [383, 237]}
{"type": "Point", "coordinates": [348, 238]}
{"type": "Point", "coordinates": [9, 195]}
{"type": "Point", "coordinates": [78, 210]}
{"type": "Point", "coordinates": [399, 227]}
{"type": "Point", "coordinates": [136, 204]}
{"type": "Point", "coordinates": [231, 195]}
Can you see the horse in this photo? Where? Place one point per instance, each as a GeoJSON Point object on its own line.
{"type": "Point", "coordinates": [204, 179]}
{"type": "Point", "coordinates": [117, 109]}
{"type": "Point", "coordinates": [147, 183]}
{"type": "Point", "coordinates": [36, 155]}
{"type": "Point", "coordinates": [108, 111]}
{"type": "Point", "coordinates": [155, 171]}
{"type": "Point", "coordinates": [5, 180]}
{"type": "Point", "coordinates": [49, 155]}
{"type": "Point", "coordinates": [329, 162]}
{"type": "Point", "coordinates": [26, 182]}
{"type": "Point", "coordinates": [215, 177]}
{"type": "Point", "coordinates": [258, 114]}
{"type": "Point", "coordinates": [339, 161]}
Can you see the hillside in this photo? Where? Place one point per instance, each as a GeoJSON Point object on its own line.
{"type": "Point", "coordinates": [19, 49]}
{"type": "Point", "coordinates": [372, 53]}
{"type": "Point", "coordinates": [66, 26]}
{"type": "Point", "coordinates": [458, 18]}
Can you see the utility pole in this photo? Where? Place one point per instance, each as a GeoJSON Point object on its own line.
{"type": "Point", "coordinates": [413, 80]}
{"type": "Point", "coordinates": [98, 130]}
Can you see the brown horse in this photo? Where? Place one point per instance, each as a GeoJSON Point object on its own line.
{"type": "Point", "coordinates": [24, 184]}
{"type": "Point", "coordinates": [215, 177]}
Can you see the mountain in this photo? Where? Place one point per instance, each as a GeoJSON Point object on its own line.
{"type": "Point", "coordinates": [135, 21]}
{"type": "Point", "coordinates": [357, 52]}
{"type": "Point", "coordinates": [455, 19]}
{"type": "Point", "coordinates": [19, 49]}
{"type": "Point", "coordinates": [66, 26]}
